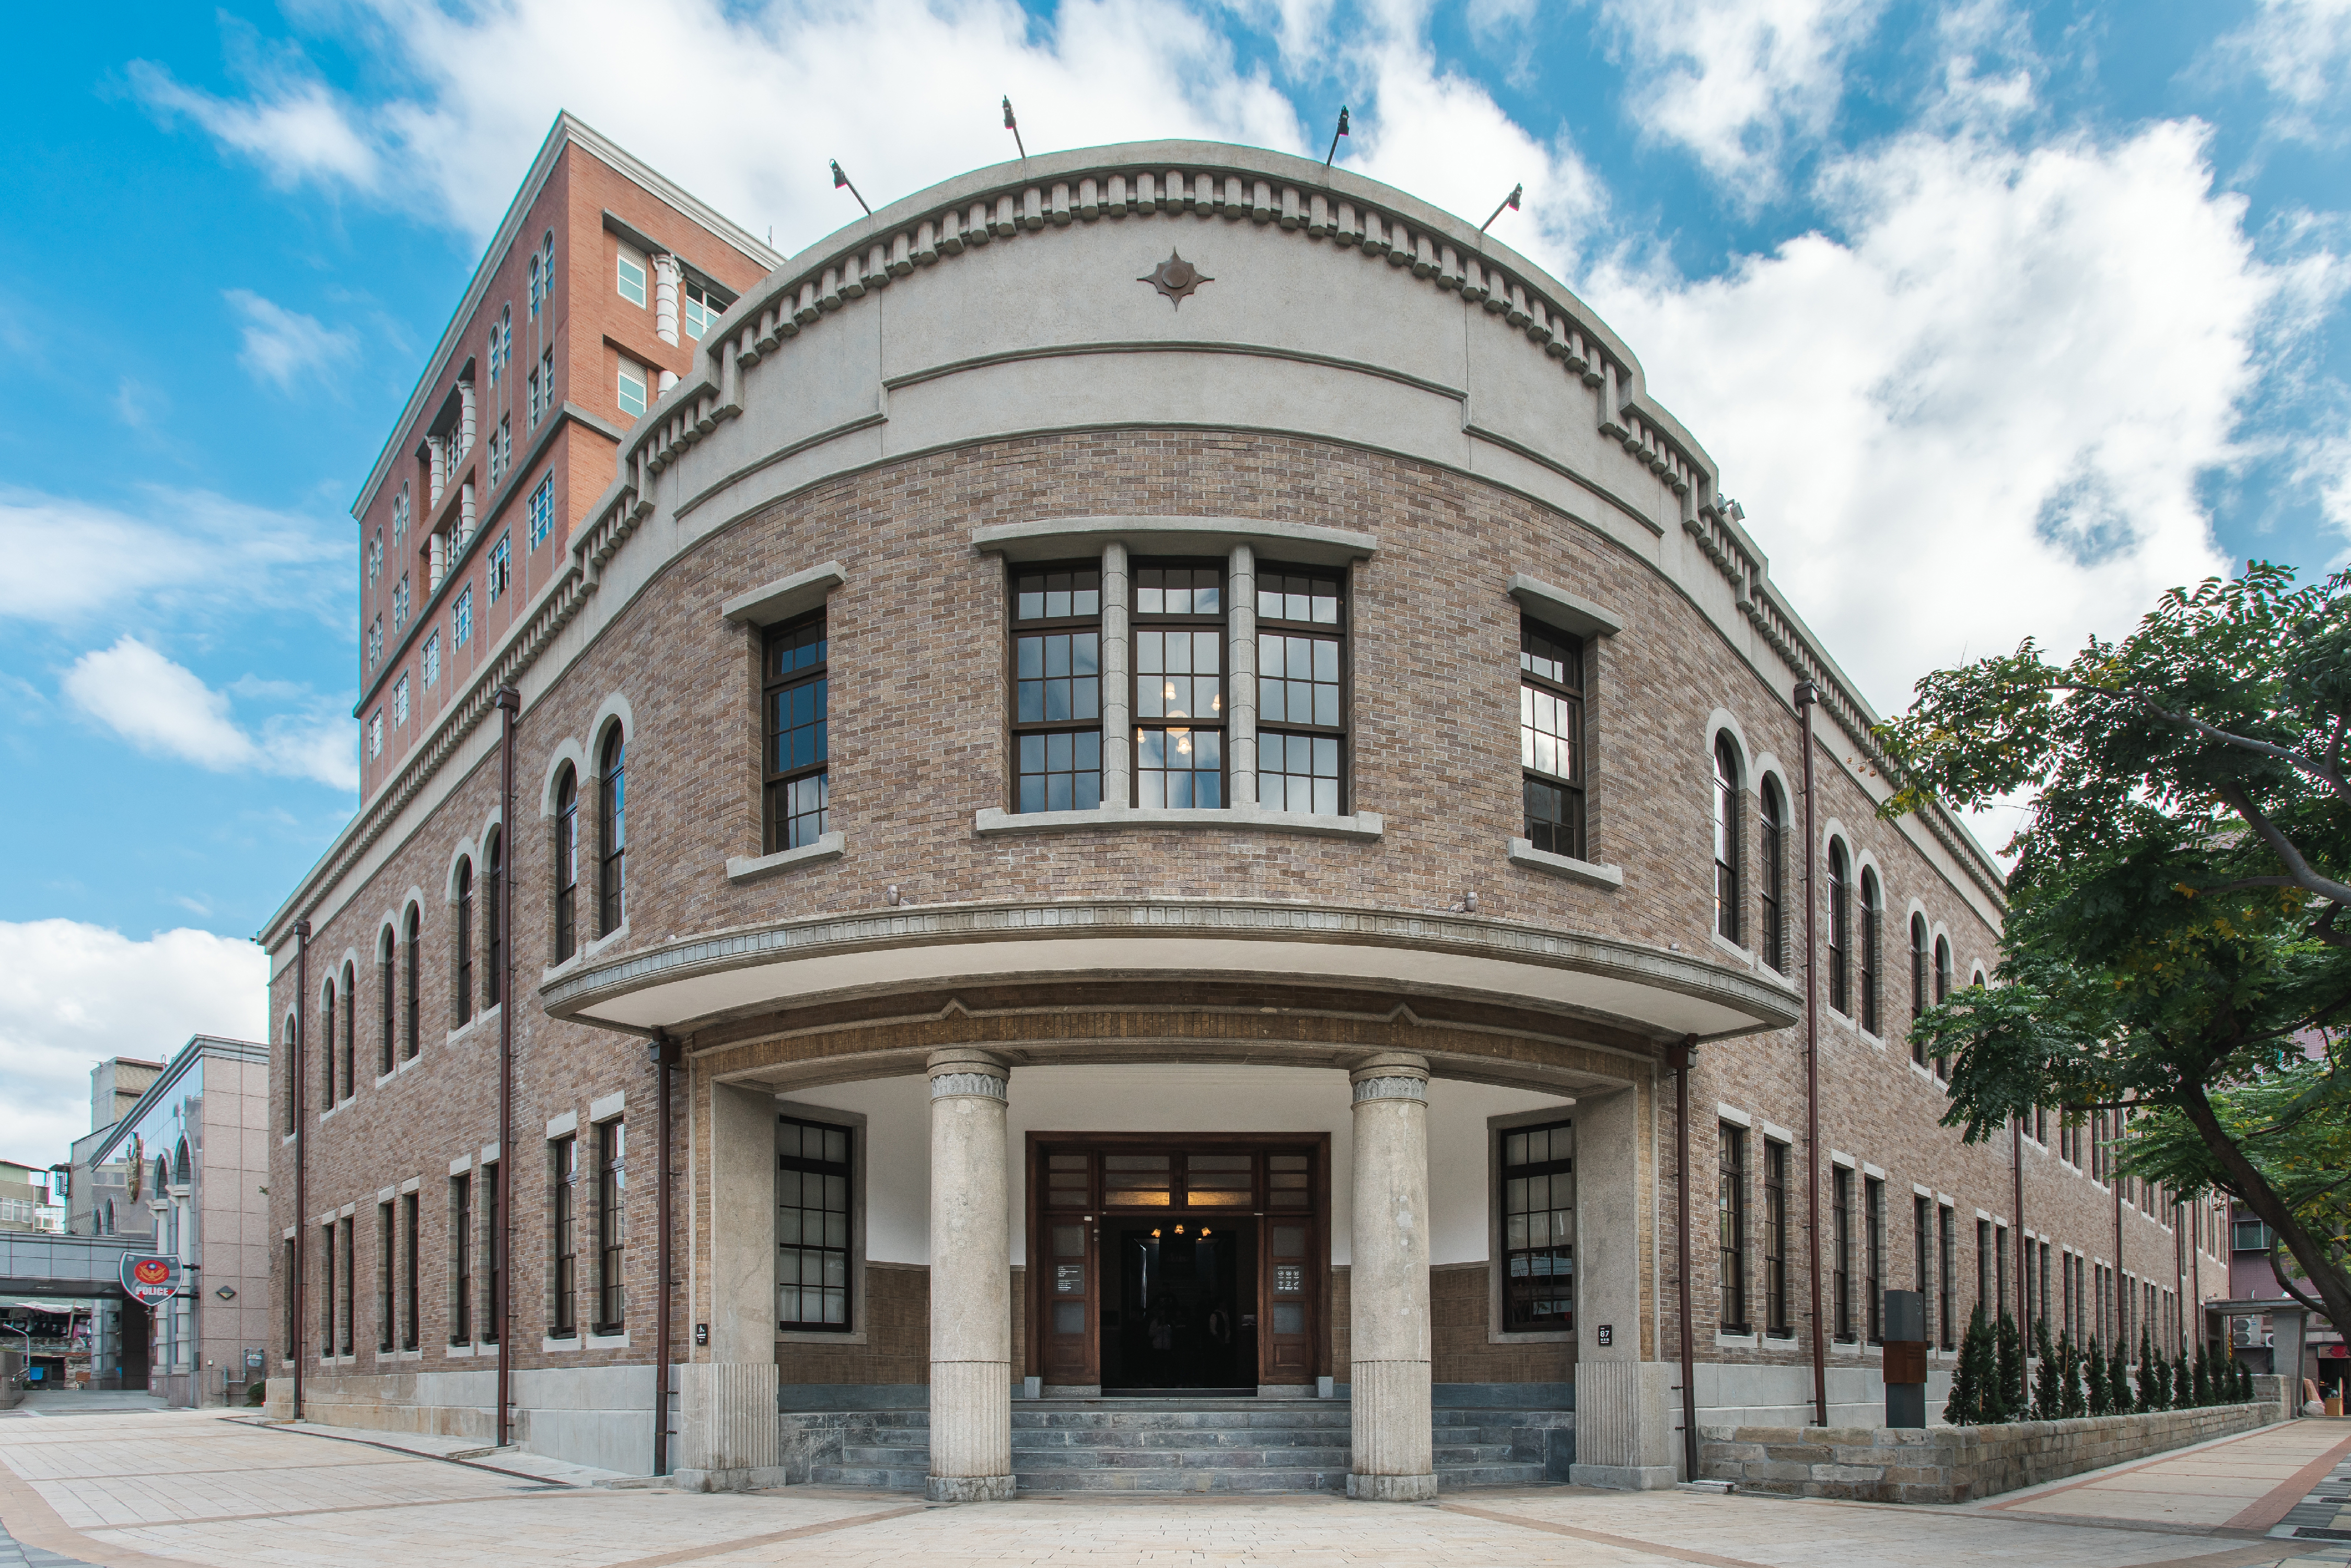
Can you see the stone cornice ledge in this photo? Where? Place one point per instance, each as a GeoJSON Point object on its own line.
{"type": "Point", "coordinates": [1591, 873]}
{"type": "Point", "coordinates": [1308, 544]}
{"type": "Point", "coordinates": [1362, 827]}
{"type": "Point", "coordinates": [741, 869]}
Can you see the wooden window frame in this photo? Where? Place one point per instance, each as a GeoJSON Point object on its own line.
{"type": "Point", "coordinates": [611, 1228]}
{"type": "Point", "coordinates": [387, 1327]}
{"type": "Point", "coordinates": [1730, 1230]}
{"type": "Point", "coordinates": [461, 1259]}
{"type": "Point", "coordinates": [387, 1000]}
{"type": "Point", "coordinates": [846, 1168]}
{"type": "Point", "coordinates": [412, 986]}
{"type": "Point", "coordinates": [776, 784]}
{"type": "Point", "coordinates": [1947, 1260]}
{"type": "Point", "coordinates": [1575, 785]}
{"type": "Point", "coordinates": [346, 1310]}
{"type": "Point", "coordinates": [1340, 630]}
{"type": "Point", "coordinates": [1139, 621]}
{"type": "Point", "coordinates": [1729, 820]}
{"type": "Point", "coordinates": [493, 892]}
{"type": "Point", "coordinates": [461, 947]}
{"type": "Point", "coordinates": [567, 863]}
{"type": "Point", "coordinates": [1840, 930]}
{"type": "Point", "coordinates": [563, 1237]}
{"type": "Point", "coordinates": [1016, 728]}
{"type": "Point", "coordinates": [492, 1263]}
{"type": "Point", "coordinates": [1873, 1259]}
{"type": "Point", "coordinates": [327, 1057]}
{"type": "Point", "coordinates": [411, 1222]}
{"type": "Point", "coordinates": [1919, 941]}
{"type": "Point", "coordinates": [612, 832]}
{"type": "Point", "coordinates": [1776, 1323]}
{"type": "Point", "coordinates": [1511, 1322]}
{"type": "Point", "coordinates": [1873, 911]}
{"type": "Point", "coordinates": [1841, 1246]}
{"type": "Point", "coordinates": [1771, 857]}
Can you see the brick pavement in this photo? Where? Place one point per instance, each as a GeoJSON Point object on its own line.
{"type": "Point", "coordinates": [146, 1490]}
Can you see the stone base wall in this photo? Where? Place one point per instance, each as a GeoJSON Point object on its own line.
{"type": "Point", "coordinates": [1952, 1464]}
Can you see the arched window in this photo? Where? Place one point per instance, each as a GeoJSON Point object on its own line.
{"type": "Point", "coordinates": [109, 1216]}
{"type": "Point", "coordinates": [1942, 990]}
{"type": "Point", "coordinates": [1726, 837]}
{"type": "Point", "coordinates": [409, 961]}
{"type": "Point", "coordinates": [293, 1075]}
{"type": "Point", "coordinates": [567, 863]}
{"type": "Point", "coordinates": [493, 885]}
{"type": "Point", "coordinates": [327, 1057]}
{"type": "Point", "coordinates": [1770, 887]}
{"type": "Point", "coordinates": [1871, 955]}
{"type": "Point", "coordinates": [461, 991]}
{"type": "Point", "coordinates": [1840, 928]}
{"type": "Point", "coordinates": [180, 1164]}
{"type": "Point", "coordinates": [351, 1031]}
{"type": "Point", "coordinates": [612, 835]}
{"type": "Point", "coordinates": [1917, 982]}
{"type": "Point", "coordinates": [387, 979]}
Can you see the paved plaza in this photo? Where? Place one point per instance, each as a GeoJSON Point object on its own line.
{"type": "Point", "coordinates": [130, 1488]}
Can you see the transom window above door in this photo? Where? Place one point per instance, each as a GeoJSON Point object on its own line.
{"type": "Point", "coordinates": [1252, 1180]}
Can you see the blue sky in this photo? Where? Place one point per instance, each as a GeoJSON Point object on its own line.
{"type": "Point", "coordinates": [2000, 317]}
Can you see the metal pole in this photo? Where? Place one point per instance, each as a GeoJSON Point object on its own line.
{"type": "Point", "coordinates": [1807, 695]}
{"type": "Point", "coordinates": [1682, 1054]}
{"type": "Point", "coordinates": [301, 1148]}
{"type": "Point", "coordinates": [509, 702]}
{"type": "Point", "coordinates": [2016, 1144]}
{"type": "Point", "coordinates": [662, 1053]}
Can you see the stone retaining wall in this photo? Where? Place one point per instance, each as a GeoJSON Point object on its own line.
{"type": "Point", "coordinates": [1952, 1464]}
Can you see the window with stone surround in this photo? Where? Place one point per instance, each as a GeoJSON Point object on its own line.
{"type": "Point", "coordinates": [1775, 1240]}
{"type": "Point", "coordinates": [813, 1175]}
{"type": "Point", "coordinates": [1872, 920]}
{"type": "Point", "coordinates": [1301, 692]}
{"type": "Point", "coordinates": [799, 749]}
{"type": "Point", "coordinates": [1874, 1257]}
{"type": "Point", "coordinates": [1841, 1251]}
{"type": "Point", "coordinates": [461, 1260]}
{"type": "Point", "coordinates": [611, 1227]}
{"type": "Point", "coordinates": [1179, 621]}
{"type": "Point", "coordinates": [1918, 983]}
{"type": "Point", "coordinates": [563, 1237]}
{"type": "Point", "coordinates": [1947, 1256]}
{"type": "Point", "coordinates": [1730, 1222]}
{"type": "Point", "coordinates": [612, 835]}
{"type": "Point", "coordinates": [1771, 875]}
{"type": "Point", "coordinates": [1538, 1170]}
{"type": "Point", "coordinates": [411, 960]}
{"type": "Point", "coordinates": [461, 947]}
{"type": "Point", "coordinates": [1726, 837]}
{"type": "Point", "coordinates": [567, 863]}
{"type": "Point", "coordinates": [1056, 680]}
{"type": "Point", "coordinates": [1840, 934]}
{"type": "Point", "coordinates": [1551, 738]}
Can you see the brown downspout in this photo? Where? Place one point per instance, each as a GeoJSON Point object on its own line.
{"type": "Point", "coordinates": [1681, 1060]}
{"type": "Point", "coordinates": [2122, 1318]}
{"type": "Point", "coordinates": [664, 1052]}
{"type": "Point", "coordinates": [509, 702]}
{"type": "Point", "coordinates": [2179, 1264]}
{"type": "Point", "coordinates": [1807, 695]}
{"type": "Point", "coordinates": [2025, 1378]}
{"type": "Point", "coordinates": [301, 1149]}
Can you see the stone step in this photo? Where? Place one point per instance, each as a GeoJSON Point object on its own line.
{"type": "Point", "coordinates": [1169, 1480]}
{"type": "Point", "coordinates": [1178, 1438]}
{"type": "Point", "coordinates": [889, 1479]}
{"type": "Point", "coordinates": [1453, 1477]}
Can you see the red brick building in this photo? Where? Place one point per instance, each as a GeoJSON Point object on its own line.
{"type": "Point", "coordinates": [1157, 772]}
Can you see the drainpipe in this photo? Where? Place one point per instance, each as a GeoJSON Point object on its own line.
{"type": "Point", "coordinates": [301, 1149]}
{"type": "Point", "coordinates": [1807, 695]}
{"type": "Point", "coordinates": [1681, 1064]}
{"type": "Point", "coordinates": [2016, 1155]}
{"type": "Point", "coordinates": [2121, 1317]}
{"type": "Point", "coordinates": [664, 1052]}
{"type": "Point", "coordinates": [509, 702]}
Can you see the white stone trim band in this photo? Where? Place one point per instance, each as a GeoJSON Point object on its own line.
{"type": "Point", "coordinates": [987, 1085]}
{"type": "Point", "coordinates": [1399, 1088]}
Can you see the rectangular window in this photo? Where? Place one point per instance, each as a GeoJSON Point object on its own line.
{"type": "Point", "coordinates": [1551, 738]}
{"type": "Point", "coordinates": [631, 391]}
{"type": "Point", "coordinates": [1775, 1240]}
{"type": "Point", "coordinates": [799, 737]}
{"type": "Point", "coordinates": [546, 383]}
{"type": "Point", "coordinates": [432, 660]}
{"type": "Point", "coordinates": [327, 1291]}
{"type": "Point", "coordinates": [1057, 688]}
{"type": "Point", "coordinates": [411, 1226]}
{"type": "Point", "coordinates": [344, 1303]}
{"type": "Point", "coordinates": [286, 1277]}
{"type": "Point", "coordinates": [1983, 1268]}
{"type": "Point", "coordinates": [542, 511]}
{"type": "Point", "coordinates": [611, 1227]}
{"type": "Point", "coordinates": [1302, 705]}
{"type": "Point", "coordinates": [375, 735]}
{"type": "Point", "coordinates": [461, 618]}
{"type": "Point", "coordinates": [1922, 1237]}
{"type": "Point", "coordinates": [2000, 1298]}
{"type": "Point", "coordinates": [812, 1224]}
{"type": "Point", "coordinates": [1873, 1282]}
{"type": "Point", "coordinates": [491, 1262]}
{"type": "Point", "coordinates": [562, 1212]}
{"type": "Point", "coordinates": [1947, 1249]}
{"type": "Point", "coordinates": [501, 446]}
{"type": "Point", "coordinates": [2047, 1258]}
{"type": "Point", "coordinates": [400, 514]}
{"type": "Point", "coordinates": [385, 1257]}
{"type": "Point", "coordinates": [501, 567]}
{"type": "Point", "coordinates": [631, 280]}
{"type": "Point", "coordinates": [461, 1260]}
{"type": "Point", "coordinates": [1179, 686]}
{"type": "Point", "coordinates": [1731, 1216]}
{"type": "Point", "coordinates": [531, 385]}
{"type": "Point", "coordinates": [1539, 1228]}
{"type": "Point", "coordinates": [1841, 1251]}
{"type": "Point", "coordinates": [700, 306]}
{"type": "Point", "coordinates": [375, 642]}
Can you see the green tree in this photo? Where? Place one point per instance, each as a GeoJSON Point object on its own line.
{"type": "Point", "coordinates": [2074, 1403]}
{"type": "Point", "coordinates": [2149, 1374]}
{"type": "Point", "coordinates": [2202, 1384]}
{"type": "Point", "coordinates": [2008, 1401]}
{"type": "Point", "coordinates": [2100, 1389]}
{"type": "Point", "coordinates": [2172, 926]}
{"type": "Point", "coordinates": [2183, 1381]}
{"type": "Point", "coordinates": [1965, 1405]}
{"type": "Point", "coordinates": [2048, 1394]}
{"type": "Point", "coordinates": [2118, 1384]}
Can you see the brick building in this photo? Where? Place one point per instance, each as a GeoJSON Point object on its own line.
{"type": "Point", "coordinates": [1320, 781]}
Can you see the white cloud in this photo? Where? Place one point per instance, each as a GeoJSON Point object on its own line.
{"type": "Point", "coordinates": [1982, 409]}
{"type": "Point", "coordinates": [1735, 82]}
{"type": "Point", "coordinates": [165, 708]}
{"type": "Point", "coordinates": [183, 551]}
{"type": "Point", "coordinates": [2300, 49]}
{"type": "Point", "coordinates": [294, 124]}
{"type": "Point", "coordinates": [72, 994]}
{"type": "Point", "coordinates": [283, 346]}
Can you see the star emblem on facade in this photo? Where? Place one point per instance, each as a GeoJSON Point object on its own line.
{"type": "Point", "coordinates": [1175, 278]}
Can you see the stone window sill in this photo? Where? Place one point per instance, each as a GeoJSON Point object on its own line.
{"type": "Point", "coordinates": [605, 1341]}
{"type": "Point", "coordinates": [1363, 826]}
{"type": "Point", "coordinates": [1589, 873]}
{"type": "Point", "coordinates": [581, 953]}
{"type": "Point", "coordinates": [742, 869]}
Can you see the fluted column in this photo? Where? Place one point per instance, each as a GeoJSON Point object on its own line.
{"type": "Point", "coordinates": [971, 1281]}
{"type": "Point", "coordinates": [1388, 1282]}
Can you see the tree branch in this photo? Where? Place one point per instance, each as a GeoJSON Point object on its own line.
{"type": "Point", "coordinates": [2330, 777]}
{"type": "Point", "coordinates": [2298, 868]}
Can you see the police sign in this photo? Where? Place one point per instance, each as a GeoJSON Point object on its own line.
{"type": "Point", "coordinates": [150, 1278]}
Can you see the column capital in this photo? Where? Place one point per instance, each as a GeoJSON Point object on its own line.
{"type": "Point", "coordinates": [1391, 1075]}
{"type": "Point", "coordinates": [963, 1071]}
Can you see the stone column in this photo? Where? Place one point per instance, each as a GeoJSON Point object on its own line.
{"type": "Point", "coordinates": [727, 1394]}
{"type": "Point", "coordinates": [971, 1281]}
{"type": "Point", "coordinates": [1240, 680]}
{"type": "Point", "coordinates": [1117, 689]}
{"type": "Point", "coordinates": [1388, 1282]}
{"type": "Point", "coordinates": [665, 279]}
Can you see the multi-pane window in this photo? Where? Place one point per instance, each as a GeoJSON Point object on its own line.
{"type": "Point", "coordinates": [462, 945]}
{"type": "Point", "coordinates": [1841, 1251]}
{"type": "Point", "coordinates": [1551, 738]}
{"type": "Point", "coordinates": [501, 341]}
{"type": "Point", "coordinates": [1872, 922]}
{"type": "Point", "coordinates": [1947, 1254]}
{"type": "Point", "coordinates": [501, 447]}
{"type": "Point", "coordinates": [1726, 837]}
{"type": "Point", "coordinates": [538, 283]}
{"type": "Point", "coordinates": [411, 959]}
{"type": "Point", "coordinates": [612, 836]}
{"type": "Point", "coordinates": [630, 391]}
{"type": "Point", "coordinates": [375, 642]}
{"type": "Point", "coordinates": [431, 659]}
{"type": "Point", "coordinates": [563, 1223]}
{"type": "Point", "coordinates": [1942, 991]}
{"type": "Point", "coordinates": [546, 383]}
{"type": "Point", "coordinates": [1179, 686]}
{"type": "Point", "coordinates": [1539, 1228]}
{"type": "Point", "coordinates": [630, 279]}
{"type": "Point", "coordinates": [1775, 1240]}
{"type": "Point", "coordinates": [400, 514]}
{"type": "Point", "coordinates": [535, 393]}
{"type": "Point", "coordinates": [344, 1312]}
{"type": "Point", "coordinates": [494, 889]}
{"type": "Point", "coordinates": [400, 601]}
{"type": "Point", "coordinates": [350, 1042]}
{"type": "Point", "coordinates": [385, 1258]}
{"type": "Point", "coordinates": [500, 566]}
{"type": "Point", "coordinates": [1057, 689]}
{"type": "Point", "coordinates": [1731, 1219]}
{"type": "Point", "coordinates": [386, 959]}
{"type": "Point", "coordinates": [375, 735]}
{"type": "Point", "coordinates": [799, 746]}
{"type": "Point", "coordinates": [541, 511]}
{"type": "Point", "coordinates": [1873, 1282]}
{"type": "Point", "coordinates": [699, 308]}
{"type": "Point", "coordinates": [327, 1295]}
{"type": "Point", "coordinates": [461, 1260]}
{"type": "Point", "coordinates": [1302, 710]}
{"type": "Point", "coordinates": [493, 1304]}
{"type": "Point", "coordinates": [1918, 983]}
{"type": "Point", "coordinates": [374, 554]}
{"type": "Point", "coordinates": [1771, 905]}
{"type": "Point", "coordinates": [611, 1226]}
{"type": "Point", "coordinates": [400, 699]}
{"type": "Point", "coordinates": [411, 1230]}
{"type": "Point", "coordinates": [461, 618]}
{"type": "Point", "coordinates": [1922, 1241]}
{"type": "Point", "coordinates": [567, 863]}
{"type": "Point", "coordinates": [813, 1225]}
{"type": "Point", "coordinates": [1840, 928]}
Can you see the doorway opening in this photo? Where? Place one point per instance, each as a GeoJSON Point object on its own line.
{"type": "Point", "coordinates": [1181, 1311]}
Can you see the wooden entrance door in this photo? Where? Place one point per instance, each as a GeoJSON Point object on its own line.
{"type": "Point", "coordinates": [1083, 1187]}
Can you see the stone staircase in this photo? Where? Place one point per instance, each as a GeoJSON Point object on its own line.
{"type": "Point", "coordinates": [1176, 1445]}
